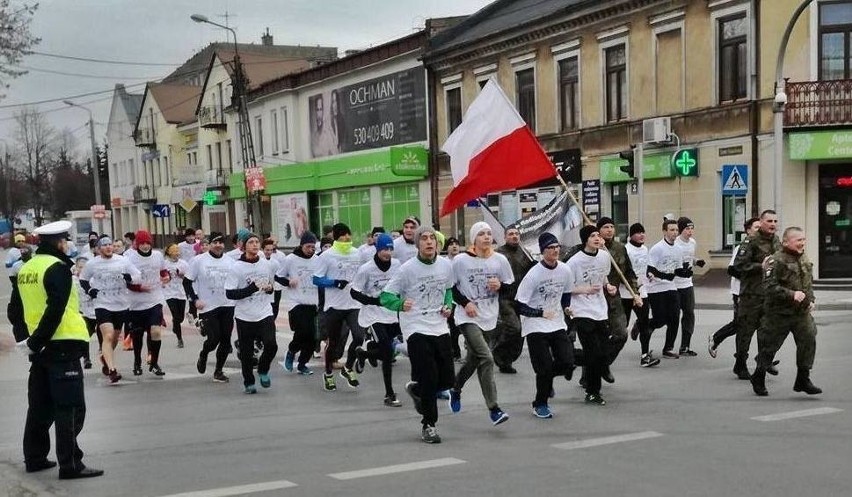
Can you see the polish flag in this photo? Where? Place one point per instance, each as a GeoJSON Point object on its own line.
{"type": "Point", "coordinates": [492, 150]}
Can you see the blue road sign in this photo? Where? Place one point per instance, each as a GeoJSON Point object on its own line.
{"type": "Point", "coordinates": [161, 210]}
{"type": "Point", "coordinates": [735, 179]}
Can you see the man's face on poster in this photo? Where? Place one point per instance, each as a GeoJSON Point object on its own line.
{"type": "Point", "coordinates": [318, 108]}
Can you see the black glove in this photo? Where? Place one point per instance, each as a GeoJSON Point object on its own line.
{"type": "Point", "coordinates": [683, 273]}
{"type": "Point", "coordinates": [93, 293]}
{"type": "Point", "coordinates": [341, 284]}
{"type": "Point", "coordinates": [700, 263]}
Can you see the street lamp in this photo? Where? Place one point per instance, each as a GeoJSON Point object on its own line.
{"type": "Point", "coordinates": [780, 103]}
{"type": "Point", "coordinates": [95, 168]}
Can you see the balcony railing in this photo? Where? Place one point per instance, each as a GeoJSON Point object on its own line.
{"type": "Point", "coordinates": [145, 137]}
{"type": "Point", "coordinates": [818, 103]}
{"type": "Point", "coordinates": [215, 178]}
{"type": "Point", "coordinates": [211, 116]}
{"type": "Point", "coordinates": [144, 194]}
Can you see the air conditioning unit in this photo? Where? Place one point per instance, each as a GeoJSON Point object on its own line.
{"type": "Point", "coordinates": [656, 130]}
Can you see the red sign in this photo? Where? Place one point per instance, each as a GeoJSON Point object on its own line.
{"type": "Point", "coordinates": [844, 181]}
{"type": "Point", "coordinates": [255, 180]}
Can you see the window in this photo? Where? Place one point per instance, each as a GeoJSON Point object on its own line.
{"type": "Point", "coordinates": [258, 137]}
{"type": "Point", "coordinates": [525, 87]}
{"type": "Point", "coordinates": [616, 83]}
{"type": "Point", "coordinates": [209, 157]}
{"type": "Point", "coordinates": [835, 41]}
{"type": "Point", "coordinates": [285, 131]}
{"type": "Point", "coordinates": [399, 202]}
{"type": "Point", "coordinates": [132, 175]}
{"type": "Point", "coordinates": [733, 218]}
{"type": "Point", "coordinates": [230, 156]}
{"type": "Point", "coordinates": [157, 174]}
{"type": "Point", "coordinates": [219, 155]}
{"type": "Point", "coordinates": [166, 177]}
{"type": "Point", "coordinates": [114, 174]}
{"type": "Point", "coordinates": [454, 110]}
{"type": "Point", "coordinates": [322, 210]}
{"type": "Point", "coordinates": [733, 58]}
{"type": "Point", "coordinates": [355, 207]}
{"type": "Point", "coordinates": [273, 118]}
{"type": "Point", "coordinates": [569, 91]}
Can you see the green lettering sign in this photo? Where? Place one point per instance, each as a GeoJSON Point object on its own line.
{"type": "Point", "coordinates": [820, 145]}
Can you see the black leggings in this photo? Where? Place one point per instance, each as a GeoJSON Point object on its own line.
{"type": "Point", "coordinates": [218, 326]}
{"type": "Point", "coordinates": [641, 323]}
{"type": "Point", "coordinates": [249, 332]}
{"type": "Point", "coordinates": [551, 355]}
{"type": "Point", "coordinates": [92, 328]}
{"type": "Point", "coordinates": [383, 351]}
{"type": "Point", "coordinates": [303, 322]}
{"type": "Point", "coordinates": [334, 321]}
{"type": "Point", "coordinates": [432, 368]}
{"type": "Point", "coordinates": [177, 307]}
{"type": "Point", "coordinates": [665, 307]}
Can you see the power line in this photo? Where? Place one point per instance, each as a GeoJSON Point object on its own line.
{"type": "Point", "coordinates": [104, 61]}
{"type": "Point", "coordinates": [92, 76]}
{"type": "Point", "coordinates": [59, 99]}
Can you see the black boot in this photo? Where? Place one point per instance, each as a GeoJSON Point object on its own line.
{"type": "Point", "coordinates": [803, 383]}
{"type": "Point", "coordinates": [741, 369]}
{"type": "Point", "coordinates": [758, 382]}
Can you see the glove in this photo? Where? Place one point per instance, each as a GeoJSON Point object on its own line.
{"type": "Point", "coordinates": [24, 349]}
{"type": "Point", "coordinates": [700, 263]}
{"type": "Point", "coordinates": [93, 292]}
{"type": "Point", "coordinates": [341, 284]}
{"type": "Point", "coordinates": [683, 273]}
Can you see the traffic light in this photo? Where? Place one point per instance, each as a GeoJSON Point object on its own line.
{"type": "Point", "coordinates": [629, 168]}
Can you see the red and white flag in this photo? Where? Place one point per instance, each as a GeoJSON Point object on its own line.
{"type": "Point", "coordinates": [493, 149]}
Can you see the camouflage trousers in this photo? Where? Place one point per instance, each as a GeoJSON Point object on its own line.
{"type": "Point", "coordinates": [748, 319]}
{"type": "Point", "coordinates": [507, 342]}
{"type": "Point", "coordinates": [617, 327]}
{"type": "Point", "coordinates": [774, 330]}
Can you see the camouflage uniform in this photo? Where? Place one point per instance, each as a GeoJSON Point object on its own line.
{"type": "Point", "coordinates": [787, 273]}
{"type": "Point", "coordinates": [749, 265]}
{"type": "Point", "coordinates": [617, 318]}
{"type": "Point", "coordinates": [507, 343]}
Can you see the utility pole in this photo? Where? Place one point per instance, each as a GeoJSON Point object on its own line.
{"type": "Point", "coordinates": [96, 174]}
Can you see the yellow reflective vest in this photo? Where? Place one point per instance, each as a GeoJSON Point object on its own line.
{"type": "Point", "coordinates": [34, 299]}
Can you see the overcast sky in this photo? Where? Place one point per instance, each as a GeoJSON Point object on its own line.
{"type": "Point", "coordinates": [160, 31]}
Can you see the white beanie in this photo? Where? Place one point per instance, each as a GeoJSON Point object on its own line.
{"type": "Point", "coordinates": [476, 229]}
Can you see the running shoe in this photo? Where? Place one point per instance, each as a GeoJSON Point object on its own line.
{"type": "Point", "coordinates": [430, 435]}
{"type": "Point", "coordinates": [219, 377]}
{"type": "Point", "coordinates": [418, 402]}
{"type": "Point", "coordinates": [304, 370]}
{"type": "Point", "coordinates": [250, 389]}
{"type": "Point", "coordinates": [137, 370]}
{"type": "Point", "coordinates": [350, 376]}
{"type": "Point", "coordinates": [711, 346]}
{"type": "Point", "coordinates": [180, 343]}
{"type": "Point", "coordinates": [392, 401]}
{"type": "Point", "coordinates": [498, 416]}
{"type": "Point", "coordinates": [542, 412]}
{"type": "Point", "coordinates": [155, 368]}
{"type": "Point", "coordinates": [687, 353]}
{"type": "Point", "coordinates": [455, 400]}
{"type": "Point", "coordinates": [443, 395]}
{"type": "Point", "coordinates": [594, 398]}
{"type": "Point", "coordinates": [670, 354]}
{"type": "Point", "coordinates": [114, 376]}
{"type": "Point", "coordinates": [265, 380]}
{"type": "Point", "coordinates": [201, 364]}
{"type": "Point", "coordinates": [328, 382]}
{"type": "Point", "coordinates": [288, 361]}
{"type": "Point", "coordinates": [104, 367]}
{"type": "Point", "coordinates": [87, 364]}
{"type": "Point", "coordinates": [360, 359]}
{"type": "Point", "coordinates": [648, 360]}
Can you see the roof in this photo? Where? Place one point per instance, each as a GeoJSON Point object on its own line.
{"type": "Point", "coordinates": [262, 68]}
{"type": "Point", "coordinates": [131, 102]}
{"type": "Point", "coordinates": [501, 16]}
{"type": "Point", "coordinates": [177, 103]}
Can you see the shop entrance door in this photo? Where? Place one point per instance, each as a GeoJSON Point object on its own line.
{"type": "Point", "coordinates": [835, 221]}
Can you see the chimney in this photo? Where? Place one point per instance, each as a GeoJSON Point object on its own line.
{"type": "Point", "coordinates": [266, 40]}
{"type": "Point", "coordinates": [351, 52]}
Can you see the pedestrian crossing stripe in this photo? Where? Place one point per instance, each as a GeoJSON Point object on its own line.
{"type": "Point", "coordinates": [735, 179]}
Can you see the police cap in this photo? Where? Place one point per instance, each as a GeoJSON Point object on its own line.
{"type": "Point", "coordinates": [55, 230]}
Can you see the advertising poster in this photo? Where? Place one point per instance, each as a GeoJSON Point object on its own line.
{"type": "Point", "coordinates": [291, 218]}
{"type": "Point", "coordinates": [380, 112]}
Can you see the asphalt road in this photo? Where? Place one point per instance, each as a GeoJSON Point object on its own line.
{"type": "Point", "coordinates": [685, 428]}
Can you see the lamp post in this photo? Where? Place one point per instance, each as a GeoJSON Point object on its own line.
{"type": "Point", "coordinates": [95, 169]}
{"type": "Point", "coordinates": [238, 100]}
{"type": "Point", "coordinates": [778, 110]}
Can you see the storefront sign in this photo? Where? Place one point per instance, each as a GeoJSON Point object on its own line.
{"type": "Point", "coordinates": [592, 198]}
{"type": "Point", "coordinates": [291, 218]}
{"type": "Point", "coordinates": [194, 191]}
{"type": "Point", "coordinates": [686, 162]}
{"type": "Point", "coordinates": [835, 144]}
{"type": "Point", "coordinates": [655, 166]}
{"type": "Point", "coordinates": [409, 161]}
{"type": "Point", "coordinates": [255, 179]}
{"type": "Point", "coordinates": [379, 112]}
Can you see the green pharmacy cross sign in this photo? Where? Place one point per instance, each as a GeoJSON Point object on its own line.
{"type": "Point", "coordinates": [685, 162]}
{"type": "Point", "coordinates": [209, 198]}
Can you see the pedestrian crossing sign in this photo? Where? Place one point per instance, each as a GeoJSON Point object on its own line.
{"type": "Point", "coordinates": [735, 179]}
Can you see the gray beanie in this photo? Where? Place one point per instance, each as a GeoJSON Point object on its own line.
{"type": "Point", "coordinates": [425, 228]}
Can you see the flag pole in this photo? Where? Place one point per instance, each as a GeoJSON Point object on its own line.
{"type": "Point", "coordinates": [589, 221]}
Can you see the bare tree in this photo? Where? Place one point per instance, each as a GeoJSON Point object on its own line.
{"type": "Point", "coordinates": [34, 137]}
{"type": "Point", "coordinates": [15, 39]}
{"type": "Point", "coordinates": [12, 189]}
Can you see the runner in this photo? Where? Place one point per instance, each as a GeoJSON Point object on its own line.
{"type": "Point", "coordinates": [146, 302]}
{"type": "Point", "coordinates": [297, 274]}
{"type": "Point", "coordinates": [173, 290]}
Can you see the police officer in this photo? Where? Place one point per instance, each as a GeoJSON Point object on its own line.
{"type": "Point", "coordinates": [788, 303]}
{"type": "Point", "coordinates": [56, 340]}
{"type": "Point", "coordinates": [750, 264]}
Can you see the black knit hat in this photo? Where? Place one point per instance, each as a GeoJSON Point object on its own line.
{"type": "Point", "coordinates": [339, 230]}
{"type": "Point", "coordinates": [636, 228]}
{"type": "Point", "coordinates": [586, 231]}
{"type": "Point", "coordinates": [684, 222]}
{"type": "Point", "coordinates": [546, 239]}
{"type": "Point", "coordinates": [604, 221]}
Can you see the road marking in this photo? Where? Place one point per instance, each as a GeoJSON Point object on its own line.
{"type": "Point", "coordinates": [797, 414]}
{"type": "Point", "coordinates": [397, 468]}
{"type": "Point", "coordinates": [238, 490]}
{"type": "Point", "coordinates": [594, 442]}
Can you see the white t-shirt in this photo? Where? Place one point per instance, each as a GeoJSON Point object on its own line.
{"type": "Point", "coordinates": [639, 260]}
{"type": "Point", "coordinates": [16, 268]}
{"type": "Point", "coordinates": [366, 252]}
{"type": "Point", "coordinates": [542, 288]}
{"type": "Point", "coordinates": [208, 275]}
{"type": "Point", "coordinates": [472, 275]}
{"type": "Point", "coordinates": [177, 270]}
{"type": "Point", "coordinates": [666, 258]}
{"type": "Point", "coordinates": [13, 256]}
{"type": "Point", "coordinates": [87, 304]}
{"type": "Point", "coordinates": [370, 280]}
{"type": "Point", "coordinates": [187, 250]}
{"type": "Point", "coordinates": [278, 257]}
{"type": "Point", "coordinates": [258, 306]}
{"type": "Point", "coordinates": [735, 282]}
{"type": "Point", "coordinates": [150, 268]}
{"type": "Point", "coordinates": [687, 253]}
{"type": "Point", "coordinates": [403, 250]}
{"type": "Point", "coordinates": [336, 266]}
{"type": "Point", "coordinates": [234, 254]}
{"type": "Point", "coordinates": [300, 270]}
{"type": "Point", "coordinates": [107, 275]}
{"type": "Point", "coordinates": [425, 285]}
{"type": "Point", "coordinates": [590, 270]}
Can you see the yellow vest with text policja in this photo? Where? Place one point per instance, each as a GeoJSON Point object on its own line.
{"type": "Point", "coordinates": [34, 298]}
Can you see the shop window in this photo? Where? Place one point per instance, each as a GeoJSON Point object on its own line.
{"type": "Point", "coordinates": [733, 218]}
{"type": "Point", "coordinates": [620, 192]}
{"type": "Point", "coordinates": [399, 202]}
{"type": "Point", "coordinates": [354, 209]}
{"type": "Point", "coordinates": [322, 212]}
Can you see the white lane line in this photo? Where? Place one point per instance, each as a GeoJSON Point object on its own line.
{"type": "Point", "coordinates": [594, 442]}
{"type": "Point", "coordinates": [238, 490]}
{"type": "Point", "coordinates": [397, 468]}
{"type": "Point", "coordinates": [797, 414]}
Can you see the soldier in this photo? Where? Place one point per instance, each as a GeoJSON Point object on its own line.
{"type": "Point", "coordinates": [788, 303]}
{"type": "Point", "coordinates": [750, 264]}
{"type": "Point", "coordinates": [508, 342]}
